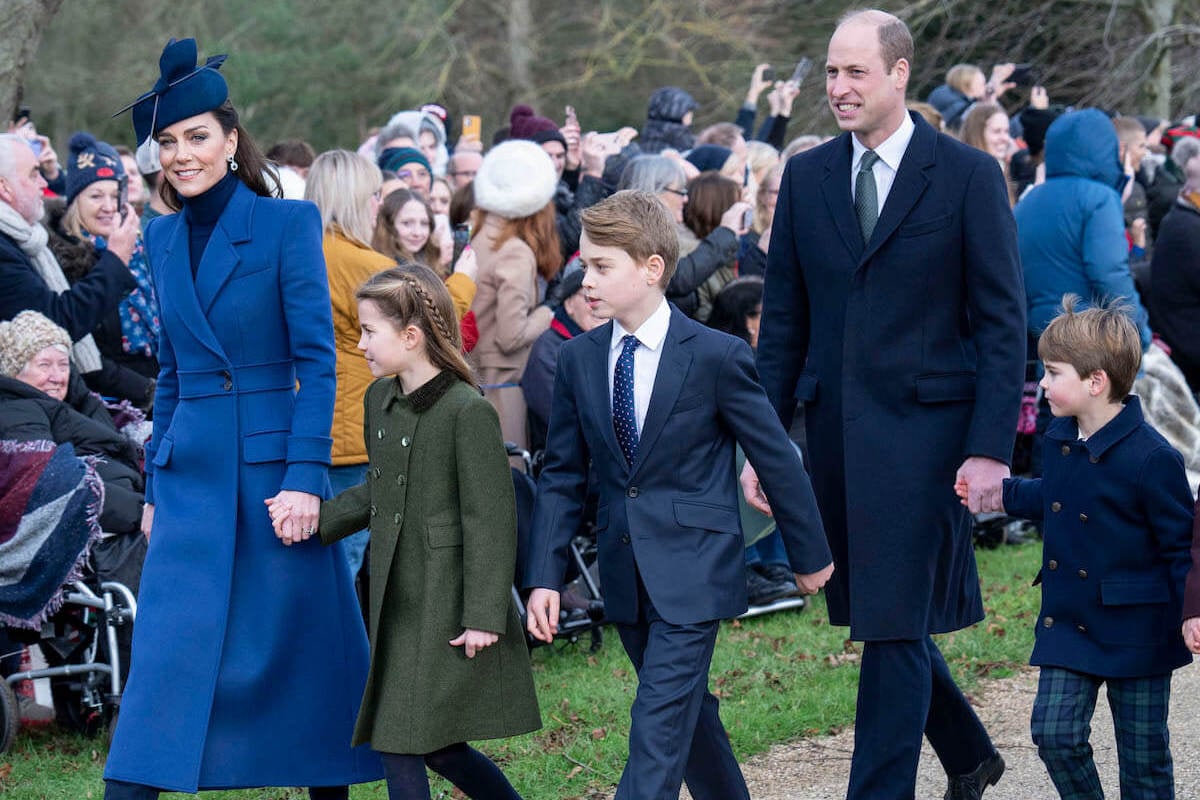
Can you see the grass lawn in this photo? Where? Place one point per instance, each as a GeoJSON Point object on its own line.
{"type": "Point", "coordinates": [779, 677]}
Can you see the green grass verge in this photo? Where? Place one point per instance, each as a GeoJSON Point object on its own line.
{"type": "Point", "coordinates": [779, 677]}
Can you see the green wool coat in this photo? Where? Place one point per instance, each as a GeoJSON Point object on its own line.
{"type": "Point", "coordinates": [439, 502]}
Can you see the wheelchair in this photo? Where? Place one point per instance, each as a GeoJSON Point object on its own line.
{"type": "Point", "coordinates": [582, 611]}
{"type": "Point", "coordinates": [85, 645]}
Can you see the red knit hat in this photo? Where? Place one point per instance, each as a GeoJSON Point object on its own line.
{"type": "Point", "coordinates": [526, 124]}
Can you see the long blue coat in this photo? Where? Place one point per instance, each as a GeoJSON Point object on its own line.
{"type": "Point", "coordinates": [908, 352]}
{"type": "Point", "coordinates": [249, 657]}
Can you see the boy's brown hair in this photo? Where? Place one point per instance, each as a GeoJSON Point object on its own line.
{"type": "Point", "coordinates": [1092, 339]}
{"type": "Point", "coordinates": [638, 223]}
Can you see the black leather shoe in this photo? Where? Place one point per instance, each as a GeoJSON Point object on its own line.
{"type": "Point", "coordinates": [971, 785]}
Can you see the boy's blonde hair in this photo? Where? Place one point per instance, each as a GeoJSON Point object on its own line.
{"type": "Point", "coordinates": [638, 223]}
{"type": "Point", "coordinates": [1092, 339]}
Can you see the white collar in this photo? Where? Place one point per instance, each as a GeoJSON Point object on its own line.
{"type": "Point", "coordinates": [891, 150]}
{"type": "Point", "coordinates": [652, 332]}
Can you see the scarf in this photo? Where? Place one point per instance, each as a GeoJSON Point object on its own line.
{"type": "Point", "coordinates": [34, 243]}
{"type": "Point", "coordinates": [139, 309]}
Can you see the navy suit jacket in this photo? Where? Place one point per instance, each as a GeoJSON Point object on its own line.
{"type": "Point", "coordinates": [908, 351]}
{"type": "Point", "coordinates": [672, 516]}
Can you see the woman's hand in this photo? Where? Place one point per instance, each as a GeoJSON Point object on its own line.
{"type": "Point", "coordinates": [467, 264]}
{"type": "Point", "coordinates": [473, 641]}
{"type": "Point", "coordinates": [294, 515]}
{"type": "Point", "coordinates": [124, 238]}
{"type": "Point", "coordinates": [147, 520]}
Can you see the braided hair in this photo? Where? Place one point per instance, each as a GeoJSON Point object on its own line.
{"type": "Point", "coordinates": [412, 294]}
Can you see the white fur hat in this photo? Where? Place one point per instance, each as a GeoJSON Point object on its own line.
{"type": "Point", "coordinates": [516, 180]}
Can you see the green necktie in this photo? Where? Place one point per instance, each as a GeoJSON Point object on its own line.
{"type": "Point", "coordinates": [866, 200]}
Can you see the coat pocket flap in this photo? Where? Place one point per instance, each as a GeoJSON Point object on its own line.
{"type": "Point", "coordinates": [1130, 592]}
{"type": "Point", "coordinates": [444, 534]}
{"type": "Point", "coordinates": [162, 456]}
{"type": "Point", "coordinates": [947, 387]}
{"type": "Point", "coordinates": [922, 227]}
{"type": "Point", "coordinates": [260, 448]}
{"type": "Point", "coordinates": [720, 519]}
{"type": "Point", "coordinates": [806, 388]}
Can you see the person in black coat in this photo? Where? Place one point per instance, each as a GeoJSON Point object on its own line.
{"type": "Point", "coordinates": [668, 121]}
{"type": "Point", "coordinates": [1174, 294]}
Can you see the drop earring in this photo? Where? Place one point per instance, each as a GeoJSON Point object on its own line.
{"type": "Point", "coordinates": [233, 165]}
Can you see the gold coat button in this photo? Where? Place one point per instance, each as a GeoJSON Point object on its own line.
{"type": "Point", "coordinates": [1066, 449]}
{"type": "Point", "coordinates": [1083, 517]}
{"type": "Point", "coordinates": [1053, 564]}
{"type": "Point", "coordinates": [1048, 622]}
{"type": "Point", "coordinates": [1056, 506]}
{"type": "Point", "coordinates": [1082, 574]}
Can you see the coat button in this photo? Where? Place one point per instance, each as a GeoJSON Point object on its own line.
{"type": "Point", "coordinates": [1053, 564]}
{"type": "Point", "coordinates": [1083, 517]}
{"type": "Point", "coordinates": [405, 441]}
{"type": "Point", "coordinates": [1094, 459]}
{"type": "Point", "coordinates": [633, 491]}
{"type": "Point", "coordinates": [376, 473]}
{"type": "Point", "coordinates": [1081, 628]}
{"type": "Point", "coordinates": [373, 510]}
{"type": "Point", "coordinates": [401, 480]}
{"type": "Point", "coordinates": [1082, 574]}
{"type": "Point", "coordinates": [1056, 506]}
{"type": "Point", "coordinates": [625, 539]}
{"type": "Point", "coordinates": [1048, 622]}
{"type": "Point", "coordinates": [396, 518]}
{"type": "Point", "coordinates": [228, 384]}
{"type": "Point", "coordinates": [381, 433]}
{"type": "Point", "coordinates": [1066, 449]}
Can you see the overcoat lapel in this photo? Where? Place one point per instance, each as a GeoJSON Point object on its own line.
{"type": "Point", "coordinates": [911, 182]}
{"type": "Point", "coordinates": [220, 257]}
{"type": "Point", "coordinates": [672, 371]}
{"type": "Point", "coordinates": [177, 290]}
{"type": "Point", "coordinates": [835, 187]}
{"type": "Point", "coordinates": [598, 392]}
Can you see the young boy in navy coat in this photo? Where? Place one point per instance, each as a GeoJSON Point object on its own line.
{"type": "Point", "coordinates": [655, 402]}
{"type": "Point", "coordinates": [1117, 512]}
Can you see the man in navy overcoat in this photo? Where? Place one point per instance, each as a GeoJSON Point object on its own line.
{"type": "Point", "coordinates": [900, 324]}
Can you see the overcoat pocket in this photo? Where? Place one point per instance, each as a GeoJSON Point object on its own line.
{"type": "Point", "coordinates": [946, 387]}
{"type": "Point", "coordinates": [719, 519]}
{"type": "Point", "coordinates": [264, 447]}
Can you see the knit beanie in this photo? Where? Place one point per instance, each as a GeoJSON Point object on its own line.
{"type": "Point", "coordinates": [709, 157]}
{"type": "Point", "coordinates": [525, 124]}
{"type": "Point", "coordinates": [516, 179]}
{"type": "Point", "coordinates": [26, 335]}
{"type": "Point", "coordinates": [90, 161]}
{"type": "Point", "coordinates": [396, 157]}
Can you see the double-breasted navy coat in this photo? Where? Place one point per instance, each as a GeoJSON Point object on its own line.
{"type": "Point", "coordinates": [249, 657]}
{"type": "Point", "coordinates": [1116, 512]}
{"type": "Point", "coordinates": [908, 352]}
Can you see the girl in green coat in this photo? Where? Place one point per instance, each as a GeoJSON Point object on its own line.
{"type": "Point", "coordinates": [448, 657]}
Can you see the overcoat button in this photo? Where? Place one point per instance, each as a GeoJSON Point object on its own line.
{"type": "Point", "coordinates": [405, 441]}
{"type": "Point", "coordinates": [373, 510]}
{"type": "Point", "coordinates": [624, 540]}
{"type": "Point", "coordinates": [401, 480]}
{"type": "Point", "coordinates": [633, 491]}
{"type": "Point", "coordinates": [228, 384]}
{"type": "Point", "coordinates": [1066, 449]}
{"type": "Point", "coordinates": [381, 433]}
{"type": "Point", "coordinates": [1056, 506]}
{"type": "Point", "coordinates": [1053, 564]}
{"type": "Point", "coordinates": [1048, 622]}
{"type": "Point", "coordinates": [1082, 628]}
{"type": "Point", "coordinates": [376, 473]}
{"type": "Point", "coordinates": [1083, 517]}
{"type": "Point", "coordinates": [1083, 574]}
{"type": "Point", "coordinates": [396, 518]}
{"type": "Point", "coordinates": [1094, 459]}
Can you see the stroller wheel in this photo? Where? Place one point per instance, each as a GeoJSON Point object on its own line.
{"type": "Point", "coordinates": [10, 717]}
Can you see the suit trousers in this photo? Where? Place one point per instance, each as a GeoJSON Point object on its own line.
{"type": "Point", "coordinates": [676, 732]}
{"type": "Point", "coordinates": [905, 691]}
{"type": "Point", "coordinates": [1061, 726]}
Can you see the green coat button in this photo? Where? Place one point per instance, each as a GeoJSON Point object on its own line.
{"type": "Point", "coordinates": [401, 480]}
{"type": "Point", "coordinates": [381, 433]}
{"type": "Point", "coordinates": [396, 518]}
{"type": "Point", "coordinates": [405, 442]}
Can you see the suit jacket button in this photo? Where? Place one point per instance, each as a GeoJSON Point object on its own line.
{"type": "Point", "coordinates": [1066, 449]}
{"type": "Point", "coordinates": [1082, 628]}
{"type": "Point", "coordinates": [1083, 517]}
{"type": "Point", "coordinates": [1094, 459]}
{"type": "Point", "coordinates": [625, 539]}
{"type": "Point", "coordinates": [633, 491]}
{"type": "Point", "coordinates": [381, 433]}
{"type": "Point", "coordinates": [1048, 622]}
{"type": "Point", "coordinates": [1056, 506]}
{"type": "Point", "coordinates": [1053, 564]}
{"type": "Point", "coordinates": [1082, 574]}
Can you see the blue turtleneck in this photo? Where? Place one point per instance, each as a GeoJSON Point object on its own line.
{"type": "Point", "coordinates": [201, 214]}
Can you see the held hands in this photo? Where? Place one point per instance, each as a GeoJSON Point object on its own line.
{"type": "Point", "coordinates": [294, 515]}
{"type": "Point", "coordinates": [542, 609]}
{"type": "Point", "coordinates": [979, 484]}
{"type": "Point", "coordinates": [1191, 634]}
{"type": "Point", "coordinates": [473, 641]}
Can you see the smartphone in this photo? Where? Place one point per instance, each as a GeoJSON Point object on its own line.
{"type": "Point", "coordinates": [768, 75]}
{"type": "Point", "coordinates": [123, 198]}
{"type": "Point", "coordinates": [570, 117]}
{"type": "Point", "coordinates": [461, 236]}
{"type": "Point", "coordinates": [472, 127]}
{"type": "Point", "coordinates": [1023, 75]}
{"type": "Point", "coordinates": [803, 67]}
{"type": "Point", "coordinates": [748, 218]}
{"type": "Point", "coordinates": [36, 146]}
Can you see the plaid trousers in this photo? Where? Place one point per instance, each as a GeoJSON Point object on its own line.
{"type": "Point", "coordinates": [1061, 725]}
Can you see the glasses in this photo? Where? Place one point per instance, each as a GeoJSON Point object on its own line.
{"type": "Point", "coordinates": [681, 192]}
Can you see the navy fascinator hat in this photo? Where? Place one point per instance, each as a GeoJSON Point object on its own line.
{"type": "Point", "coordinates": [184, 89]}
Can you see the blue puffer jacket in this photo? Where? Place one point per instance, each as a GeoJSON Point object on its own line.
{"type": "Point", "coordinates": [1071, 229]}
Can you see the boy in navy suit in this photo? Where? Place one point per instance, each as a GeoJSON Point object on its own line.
{"type": "Point", "coordinates": [1117, 513]}
{"type": "Point", "coordinates": [655, 402]}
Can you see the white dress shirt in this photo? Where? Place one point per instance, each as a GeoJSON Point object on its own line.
{"type": "Point", "coordinates": [890, 152]}
{"type": "Point", "coordinates": [650, 336]}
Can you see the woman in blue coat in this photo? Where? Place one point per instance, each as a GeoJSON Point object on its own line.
{"type": "Point", "coordinates": [249, 657]}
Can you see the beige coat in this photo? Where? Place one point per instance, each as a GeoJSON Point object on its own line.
{"type": "Point", "coordinates": [509, 319]}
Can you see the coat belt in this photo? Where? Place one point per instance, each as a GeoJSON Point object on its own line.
{"type": "Point", "coordinates": [275, 376]}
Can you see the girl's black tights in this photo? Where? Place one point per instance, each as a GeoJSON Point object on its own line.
{"type": "Point", "coordinates": [467, 768]}
{"type": "Point", "coordinates": [119, 790]}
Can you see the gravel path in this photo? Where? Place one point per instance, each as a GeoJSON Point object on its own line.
{"type": "Point", "coordinates": [817, 769]}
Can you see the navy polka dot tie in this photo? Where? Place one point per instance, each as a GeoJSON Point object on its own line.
{"type": "Point", "coordinates": [624, 410]}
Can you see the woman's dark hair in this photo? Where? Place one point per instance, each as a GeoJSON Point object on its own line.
{"type": "Point", "coordinates": [741, 298]}
{"type": "Point", "coordinates": [254, 169]}
{"type": "Point", "coordinates": [462, 203]}
{"type": "Point", "coordinates": [710, 194]}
